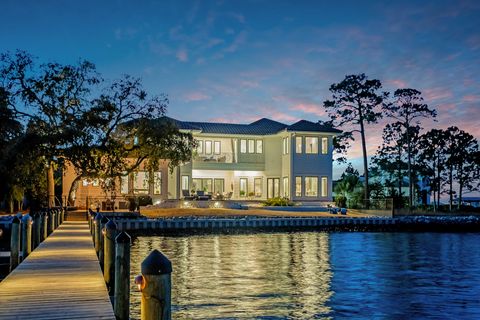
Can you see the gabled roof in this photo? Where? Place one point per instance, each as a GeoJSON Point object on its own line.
{"type": "Point", "coordinates": [260, 127]}
{"type": "Point", "coordinates": [308, 126]}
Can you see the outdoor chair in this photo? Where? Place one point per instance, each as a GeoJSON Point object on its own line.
{"type": "Point", "coordinates": [228, 195]}
{"type": "Point", "coordinates": [186, 195]}
{"type": "Point", "coordinates": [202, 196]}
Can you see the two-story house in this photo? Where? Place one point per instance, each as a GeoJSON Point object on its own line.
{"type": "Point", "coordinates": [256, 161]}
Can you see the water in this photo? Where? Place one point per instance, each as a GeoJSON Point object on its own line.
{"type": "Point", "coordinates": [313, 275]}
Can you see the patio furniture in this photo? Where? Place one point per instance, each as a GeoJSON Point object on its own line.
{"type": "Point", "coordinates": [187, 196]}
{"type": "Point", "coordinates": [202, 196]}
{"type": "Point", "coordinates": [228, 195]}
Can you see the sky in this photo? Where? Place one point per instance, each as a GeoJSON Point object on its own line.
{"type": "Point", "coordinates": [238, 61]}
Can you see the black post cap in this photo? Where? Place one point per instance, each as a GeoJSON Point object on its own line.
{"type": "Point", "coordinates": [156, 264]}
{"type": "Point", "coordinates": [123, 237]}
{"type": "Point", "coordinates": [98, 216]}
{"type": "Point", "coordinates": [111, 225]}
{"type": "Point", "coordinates": [15, 220]}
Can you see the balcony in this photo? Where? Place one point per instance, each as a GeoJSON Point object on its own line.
{"type": "Point", "coordinates": [225, 157]}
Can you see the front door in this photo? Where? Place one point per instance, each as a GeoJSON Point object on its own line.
{"type": "Point", "coordinates": [273, 187]}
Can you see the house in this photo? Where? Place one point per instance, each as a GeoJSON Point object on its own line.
{"type": "Point", "coordinates": [256, 161]}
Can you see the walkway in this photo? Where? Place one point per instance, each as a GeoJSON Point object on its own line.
{"type": "Point", "coordinates": [61, 279]}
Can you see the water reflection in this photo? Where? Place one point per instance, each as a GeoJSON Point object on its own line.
{"type": "Point", "coordinates": [279, 276]}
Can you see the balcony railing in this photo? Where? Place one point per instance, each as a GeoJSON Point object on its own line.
{"type": "Point", "coordinates": [224, 157]}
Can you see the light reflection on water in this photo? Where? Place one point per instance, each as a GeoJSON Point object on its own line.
{"type": "Point", "coordinates": [282, 276]}
{"type": "Point", "coordinates": [310, 275]}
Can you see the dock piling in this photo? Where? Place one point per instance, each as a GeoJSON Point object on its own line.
{"type": "Point", "coordinates": [44, 227]}
{"type": "Point", "coordinates": [122, 276]}
{"type": "Point", "coordinates": [156, 287]}
{"type": "Point", "coordinates": [26, 236]}
{"type": "Point", "coordinates": [15, 244]}
{"type": "Point", "coordinates": [109, 255]}
{"type": "Point", "coordinates": [101, 248]}
{"type": "Point", "coordinates": [37, 229]}
{"type": "Point", "coordinates": [97, 231]}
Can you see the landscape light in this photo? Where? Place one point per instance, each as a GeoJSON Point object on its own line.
{"type": "Point", "coordinates": [139, 281]}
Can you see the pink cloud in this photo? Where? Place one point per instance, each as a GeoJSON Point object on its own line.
{"type": "Point", "coordinates": [311, 108]}
{"type": "Point", "coordinates": [434, 94]}
{"type": "Point", "coordinates": [182, 55]}
{"type": "Point", "coordinates": [471, 98]}
{"type": "Point", "coordinates": [196, 96]}
{"type": "Point", "coordinates": [397, 83]}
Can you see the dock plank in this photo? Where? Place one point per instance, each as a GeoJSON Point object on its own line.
{"type": "Point", "coordinates": [61, 279]}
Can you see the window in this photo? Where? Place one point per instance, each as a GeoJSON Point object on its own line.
{"type": "Point", "coordinates": [243, 187]}
{"type": "Point", "coordinates": [200, 147]}
{"type": "Point", "coordinates": [251, 146]}
{"type": "Point", "coordinates": [324, 187]}
{"type": "Point", "coordinates": [324, 145]}
{"type": "Point", "coordinates": [216, 147]}
{"type": "Point", "coordinates": [208, 147]}
{"type": "Point", "coordinates": [95, 182]}
{"type": "Point", "coordinates": [285, 146]}
{"type": "Point", "coordinates": [135, 140]}
{"type": "Point", "coordinates": [286, 191]}
{"type": "Point", "coordinates": [298, 186]}
{"type": "Point", "coordinates": [273, 187]}
{"type": "Point", "coordinates": [85, 182]}
{"type": "Point", "coordinates": [243, 146]}
{"type": "Point", "coordinates": [218, 186]}
{"type": "Point", "coordinates": [202, 184]}
{"type": "Point", "coordinates": [311, 145]}
{"type": "Point", "coordinates": [259, 146]}
{"type": "Point", "coordinates": [185, 184]}
{"type": "Point", "coordinates": [311, 186]}
{"type": "Point", "coordinates": [157, 182]}
{"type": "Point", "coordinates": [124, 184]}
{"type": "Point", "coordinates": [298, 144]}
{"type": "Point", "coordinates": [141, 182]}
{"type": "Point", "coordinates": [258, 187]}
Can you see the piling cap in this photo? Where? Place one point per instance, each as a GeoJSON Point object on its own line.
{"type": "Point", "coordinates": [123, 237]}
{"type": "Point", "coordinates": [98, 217]}
{"type": "Point", "coordinates": [104, 220]}
{"type": "Point", "coordinates": [15, 220]}
{"type": "Point", "coordinates": [156, 264]}
{"type": "Point", "coordinates": [26, 218]}
{"type": "Point", "coordinates": [111, 225]}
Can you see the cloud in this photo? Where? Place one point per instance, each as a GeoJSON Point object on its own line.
{"type": "Point", "coordinates": [310, 108]}
{"type": "Point", "coordinates": [397, 83]}
{"type": "Point", "coordinates": [196, 96]}
{"type": "Point", "coordinates": [435, 94]}
{"type": "Point", "coordinates": [182, 55]}
{"type": "Point", "coordinates": [471, 98]}
{"type": "Point", "coordinates": [237, 42]}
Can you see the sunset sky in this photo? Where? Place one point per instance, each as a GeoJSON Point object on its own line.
{"type": "Point", "coordinates": [237, 61]}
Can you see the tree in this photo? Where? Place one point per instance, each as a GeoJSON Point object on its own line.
{"type": "Point", "coordinates": [407, 109]}
{"type": "Point", "coordinates": [355, 103]}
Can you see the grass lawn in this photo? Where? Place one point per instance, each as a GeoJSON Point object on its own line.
{"type": "Point", "coordinates": [204, 212]}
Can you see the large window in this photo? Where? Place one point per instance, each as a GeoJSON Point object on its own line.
{"type": "Point", "coordinates": [141, 182]}
{"type": "Point", "coordinates": [157, 182]}
{"type": "Point", "coordinates": [273, 188]}
{"type": "Point", "coordinates": [258, 183]}
{"type": "Point", "coordinates": [208, 147]}
{"type": "Point", "coordinates": [298, 186]}
{"type": "Point", "coordinates": [124, 184]}
{"type": "Point", "coordinates": [324, 187]}
{"type": "Point", "coordinates": [218, 186]}
{"type": "Point", "coordinates": [311, 144]}
{"type": "Point", "coordinates": [311, 186]}
{"type": "Point", "coordinates": [251, 146]}
{"type": "Point", "coordinates": [243, 187]}
{"type": "Point", "coordinates": [259, 146]}
{"type": "Point", "coordinates": [243, 146]}
{"type": "Point", "coordinates": [285, 145]}
{"type": "Point", "coordinates": [324, 145]}
{"type": "Point", "coordinates": [185, 183]}
{"type": "Point", "coordinates": [202, 184]}
{"type": "Point", "coordinates": [286, 191]}
{"type": "Point", "coordinates": [216, 147]}
{"type": "Point", "coordinates": [200, 147]}
{"type": "Point", "coordinates": [298, 144]}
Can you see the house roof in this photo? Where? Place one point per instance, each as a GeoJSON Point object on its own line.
{"type": "Point", "coordinates": [260, 127]}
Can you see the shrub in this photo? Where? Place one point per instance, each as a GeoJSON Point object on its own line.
{"type": "Point", "coordinates": [278, 202]}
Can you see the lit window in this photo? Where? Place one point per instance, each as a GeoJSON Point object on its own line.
{"type": "Point", "coordinates": [324, 145]}
{"type": "Point", "coordinates": [243, 187]}
{"type": "Point", "coordinates": [95, 182]}
{"type": "Point", "coordinates": [185, 183]}
{"type": "Point", "coordinates": [140, 182]}
{"type": "Point", "coordinates": [218, 186]}
{"type": "Point", "coordinates": [135, 141]}
{"type": "Point", "coordinates": [286, 190]}
{"type": "Point", "coordinates": [200, 147]}
{"type": "Point", "coordinates": [285, 145]}
{"type": "Point", "coordinates": [258, 187]}
{"type": "Point", "coordinates": [243, 146]}
{"type": "Point", "coordinates": [298, 186]}
{"type": "Point", "coordinates": [124, 184]}
{"type": "Point", "coordinates": [216, 147]}
{"type": "Point", "coordinates": [208, 147]}
{"type": "Point", "coordinates": [311, 186]}
{"type": "Point", "coordinates": [157, 182]}
{"type": "Point", "coordinates": [311, 145]}
{"type": "Point", "coordinates": [324, 187]}
{"type": "Point", "coordinates": [298, 144]}
{"type": "Point", "coordinates": [259, 146]}
{"type": "Point", "coordinates": [251, 146]}
{"type": "Point", "coordinates": [85, 182]}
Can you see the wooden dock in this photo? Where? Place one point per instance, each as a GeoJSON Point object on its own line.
{"type": "Point", "coordinates": [61, 279]}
